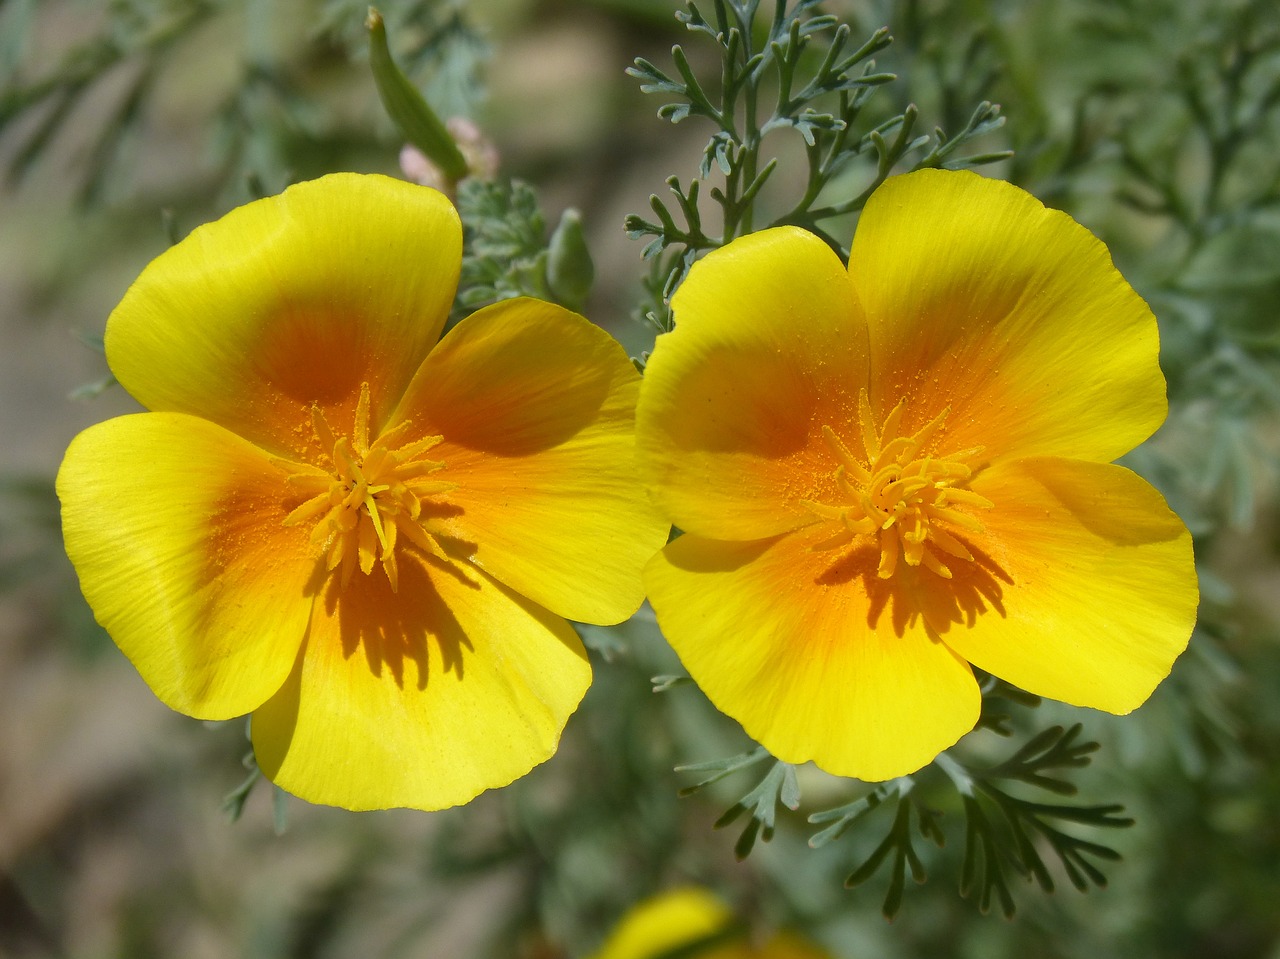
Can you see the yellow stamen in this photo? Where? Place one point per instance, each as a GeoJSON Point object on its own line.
{"type": "Point", "coordinates": [910, 499]}
{"type": "Point", "coordinates": [365, 495]}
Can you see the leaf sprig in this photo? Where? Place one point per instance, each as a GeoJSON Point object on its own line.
{"type": "Point", "coordinates": [1006, 834]}
{"type": "Point", "coordinates": [801, 75]}
{"type": "Point", "coordinates": [1004, 829]}
{"type": "Point", "coordinates": [761, 802]}
{"type": "Point", "coordinates": [508, 252]}
{"type": "Point", "coordinates": [897, 847]}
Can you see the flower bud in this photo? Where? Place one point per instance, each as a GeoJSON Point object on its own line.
{"type": "Point", "coordinates": [569, 267]}
{"type": "Point", "coordinates": [407, 108]}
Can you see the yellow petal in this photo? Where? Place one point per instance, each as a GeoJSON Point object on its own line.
{"type": "Point", "coordinates": [174, 527]}
{"type": "Point", "coordinates": [662, 923]}
{"type": "Point", "coordinates": [537, 410]}
{"type": "Point", "coordinates": [1098, 589]}
{"type": "Point", "coordinates": [981, 299]}
{"type": "Point", "coordinates": [423, 697]}
{"type": "Point", "coordinates": [769, 347]}
{"type": "Point", "coordinates": [290, 301]}
{"type": "Point", "coordinates": [816, 656]}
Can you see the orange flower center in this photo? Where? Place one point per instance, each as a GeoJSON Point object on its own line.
{"type": "Point", "coordinates": [910, 502]}
{"type": "Point", "coordinates": [364, 497]}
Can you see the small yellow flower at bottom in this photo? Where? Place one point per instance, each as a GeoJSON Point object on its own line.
{"type": "Point", "coordinates": [693, 922]}
{"type": "Point", "coordinates": [368, 539]}
{"type": "Point", "coordinates": [889, 472]}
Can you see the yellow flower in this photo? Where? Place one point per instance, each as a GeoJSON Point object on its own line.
{"type": "Point", "coordinates": [368, 539]}
{"type": "Point", "coordinates": [889, 472]}
{"type": "Point", "coordinates": [693, 923]}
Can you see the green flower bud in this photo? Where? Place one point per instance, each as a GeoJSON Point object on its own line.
{"type": "Point", "coordinates": [405, 105]}
{"type": "Point", "coordinates": [569, 267]}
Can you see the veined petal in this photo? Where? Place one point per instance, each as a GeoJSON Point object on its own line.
{"type": "Point", "coordinates": [769, 347]}
{"type": "Point", "coordinates": [423, 697]}
{"type": "Point", "coordinates": [537, 409]}
{"type": "Point", "coordinates": [1099, 592]}
{"type": "Point", "coordinates": [818, 660]}
{"type": "Point", "coordinates": [291, 301]}
{"type": "Point", "coordinates": [980, 299]}
{"type": "Point", "coordinates": [174, 528]}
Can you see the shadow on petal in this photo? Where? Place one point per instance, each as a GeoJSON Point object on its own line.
{"type": "Point", "coordinates": [974, 590]}
{"type": "Point", "coordinates": [392, 629]}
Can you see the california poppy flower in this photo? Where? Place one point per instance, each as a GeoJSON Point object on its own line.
{"type": "Point", "coordinates": [889, 472]}
{"type": "Point", "coordinates": [368, 539]}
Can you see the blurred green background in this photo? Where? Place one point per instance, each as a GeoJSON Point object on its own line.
{"type": "Point", "coordinates": [1156, 123]}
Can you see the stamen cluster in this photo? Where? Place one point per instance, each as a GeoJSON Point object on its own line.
{"type": "Point", "coordinates": [365, 495]}
{"type": "Point", "coordinates": [904, 499]}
